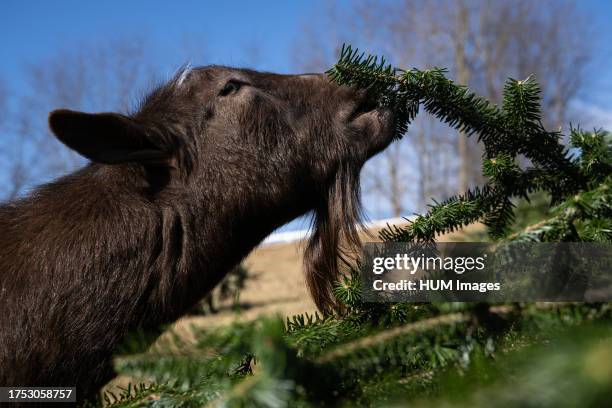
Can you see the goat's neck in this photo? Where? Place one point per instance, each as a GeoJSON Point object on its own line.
{"type": "Point", "coordinates": [143, 257]}
{"type": "Point", "coordinates": [202, 235]}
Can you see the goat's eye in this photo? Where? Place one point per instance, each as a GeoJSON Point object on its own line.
{"type": "Point", "coordinates": [230, 87]}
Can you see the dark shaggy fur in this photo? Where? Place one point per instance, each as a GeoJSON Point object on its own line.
{"type": "Point", "coordinates": [176, 195]}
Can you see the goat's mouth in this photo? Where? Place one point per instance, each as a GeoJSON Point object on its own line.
{"type": "Point", "coordinates": [376, 124]}
{"type": "Point", "coordinates": [365, 106]}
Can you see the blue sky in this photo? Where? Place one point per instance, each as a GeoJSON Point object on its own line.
{"type": "Point", "coordinates": [32, 30]}
{"type": "Point", "coordinates": [229, 32]}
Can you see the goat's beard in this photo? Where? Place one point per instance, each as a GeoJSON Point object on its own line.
{"type": "Point", "coordinates": [337, 222]}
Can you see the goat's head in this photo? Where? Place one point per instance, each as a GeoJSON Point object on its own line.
{"type": "Point", "coordinates": [285, 140]}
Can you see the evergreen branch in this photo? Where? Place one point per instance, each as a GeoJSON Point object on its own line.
{"type": "Point", "coordinates": [425, 325]}
{"type": "Point", "coordinates": [513, 130]}
{"type": "Point", "coordinates": [366, 342]}
{"type": "Point", "coordinates": [445, 217]}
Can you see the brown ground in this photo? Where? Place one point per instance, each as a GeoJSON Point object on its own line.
{"type": "Point", "coordinates": [276, 283]}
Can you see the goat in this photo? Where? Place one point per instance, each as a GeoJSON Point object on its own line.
{"type": "Point", "coordinates": [174, 196]}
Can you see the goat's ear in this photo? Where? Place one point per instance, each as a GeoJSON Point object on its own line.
{"type": "Point", "coordinates": [106, 137]}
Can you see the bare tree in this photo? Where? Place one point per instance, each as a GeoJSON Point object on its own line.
{"type": "Point", "coordinates": [3, 103]}
{"type": "Point", "coordinates": [101, 77]}
{"type": "Point", "coordinates": [13, 168]}
{"type": "Point", "coordinates": [482, 43]}
{"type": "Point", "coordinates": [91, 77]}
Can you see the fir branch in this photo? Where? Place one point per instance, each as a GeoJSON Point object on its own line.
{"type": "Point", "coordinates": [445, 217]}
{"type": "Point", "coordinates": [515, 129]}
{"type": "Point", "coordinates": [366, 342]}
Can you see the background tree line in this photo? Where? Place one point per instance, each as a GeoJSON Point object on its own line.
{"type": "Point", "coordinates": [480, 42]}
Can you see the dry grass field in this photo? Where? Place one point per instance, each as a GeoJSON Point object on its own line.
{"type": "Point", "coordinates": [276, 285]}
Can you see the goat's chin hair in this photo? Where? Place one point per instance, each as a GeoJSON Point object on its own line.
{"type": "Point", "coordinates": [337, 222]}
